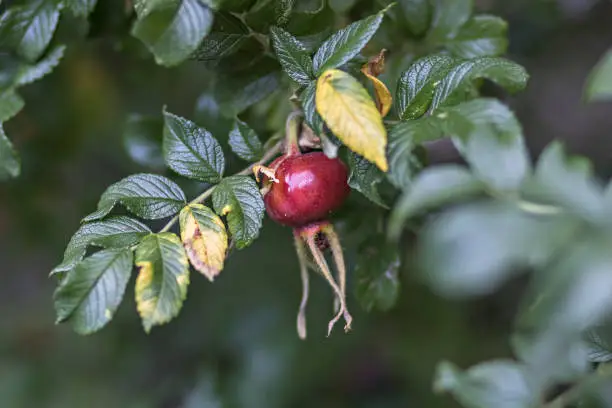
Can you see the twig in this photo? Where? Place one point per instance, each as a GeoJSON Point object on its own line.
{"type": "Point", "coordinates": [268, 155]}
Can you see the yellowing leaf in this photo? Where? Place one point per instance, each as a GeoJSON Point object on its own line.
{"type": "Point", "coordinates": [204, 238]}
{"type": "Point", "coordinates": [163, 277]}
{"type": "Point", "coordinates": [347, 109]}
{"type": "Point", "coordinates": [372, 70]}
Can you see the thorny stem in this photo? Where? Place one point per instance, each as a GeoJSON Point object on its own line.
{"type": "Point", "coordinates": [303, 260]}
{"type": "Point", "coordinates": [322, 264]}
{"type": "Point", "coordinates": [268, 155]}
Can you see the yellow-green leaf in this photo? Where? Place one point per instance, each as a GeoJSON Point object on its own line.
{"type": "Point", "coordinates": [204, 238]}
{"type": "Point", "coordinates": [347, 109]}
{"type": "Point", "coordinates": [163, 277]}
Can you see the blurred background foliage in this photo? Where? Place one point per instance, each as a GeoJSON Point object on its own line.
{"type": "Point", "coordinates": [234, 343]}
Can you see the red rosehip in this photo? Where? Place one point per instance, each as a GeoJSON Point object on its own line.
{"type": "Point", "coordinates": [309, 187]}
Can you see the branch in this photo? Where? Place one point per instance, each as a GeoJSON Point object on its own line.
{"type": "Point", "coordinates": [268, 155]}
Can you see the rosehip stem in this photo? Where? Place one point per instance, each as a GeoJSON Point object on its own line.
{"type": "Point", "coordinates": [292, 133]}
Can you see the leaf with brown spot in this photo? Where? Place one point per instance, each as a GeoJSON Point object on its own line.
{"type": "Point", "coordinates": [372, 70]}
{"type": "Point", "coordinates": [204, 238]}
{"type": "Point", "coordinates": [348, 110]}
{"type": "Point", "coordinates": [163, 277]}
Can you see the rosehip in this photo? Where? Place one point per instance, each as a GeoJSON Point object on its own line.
{"type": "Point", "coordinates": [300, 190]}
{"type": "Point", "coordinates": [310, 186]}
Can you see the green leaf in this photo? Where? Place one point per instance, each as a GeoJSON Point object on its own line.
{"type": "Point", "coordinates": [30, 73]}
{"type": "Point", "coordinates": [163, 277]}
{"type": "Point", "coordinates": [91, 293]}
{"type": "Point", "coordinates": [236, 60]}
{"type": "Point", "coordinates": [310, 17]}
{"type": "Point", "coordinates": [28, 28]}
{"type": "Point", "coordinates": [462, 119]}
{"type": "Point", "coordinates": [145, 7]}
{"type": "Point", "coordinates": [495, 150]}
{"type": "Point", "coordinates": [10, 69]}
{"type": "Point", "coordinates": [227, 35]}
{"type": "Point", "coordinates": [244, 142]}
{"type": "Point", "coordinates": [433, 187]}
{"type": "Point", "coordinates": [501, 161]}
{"type": "Point", "coordinates": [10, 105]}
{"type": "Point", "coordinates": [448, 17]}
{"type": "Point", "coordinates": [238, 198]}
{"type": "Point", "coordinates": [282, 10]}
{"type": "Point", "coordinates": [149, 196]}
{"type": "Point", "coordinates": [467, 91]}
{"type": "Point", "coordinates": [208, 114]}
{"type": "Point", "coordinates": [312, 117]}
{"type": "Point", "coordinates": [261, 16]}
{"type": "Point", "coordinates": [416, 86]}
{"type": "Point", "coordinates": [365, 177]}
{"type": "Point", "coordinates": [552, 354]}
{"type": "Point", "coordinates": [192, 151]}
{"type": "Point", "coordinates": [342, 6]}
{"type": "Point", "coordinates": [82, 8]}
{"type": "Point", "coordinates": [505, 73]}
{"type": "Point", "coordinates": [558, 181]}
{"type": "Point", "coordinates": [565, 299]}
{"type": "Point", "coordinates": [173, 32]}
{"type": "Point", "coordinates": [243, 89]}
{"type": "Point", "coordinates": [597, 394]}
{"type": "Point", "coordinates": [311, 22]}
{"type": "Point", "coordinates": [377, 269]}
{"type": "Point", "coordinates": [599, 83]}
{"type": "Point", "coordinates": [573, 294]}
{"type": "Point", "coordinates": [236, 6]}
{"type": "Point", "coordinates": [114, 232]}
{"type": "Point", "coordinates": [266, 13]}
{"type": "Point", "coordinates": [599, 340]}
{"type": "Point", "coordinates": [10, 164]}
{"type": "Point", "coordinates": [417, 13]}
{"type": "Point", "coordinates": [143, 138]}
{"type": "Point", "coordinates": [403, 139]}
{"type": "Point", "coordinates": [345, 44]}
{"type": "Point", "coordinates": [292, 56]}
{"type": "Point", "coordinates": [496, 383]}
{"type": "Point", "coordinates": [474, 248]}
{"type": "Point", "coordinates": [481, 36]}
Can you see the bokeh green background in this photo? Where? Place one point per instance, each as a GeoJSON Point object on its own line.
{"type": "Point", "coordinates": [234, 343]}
